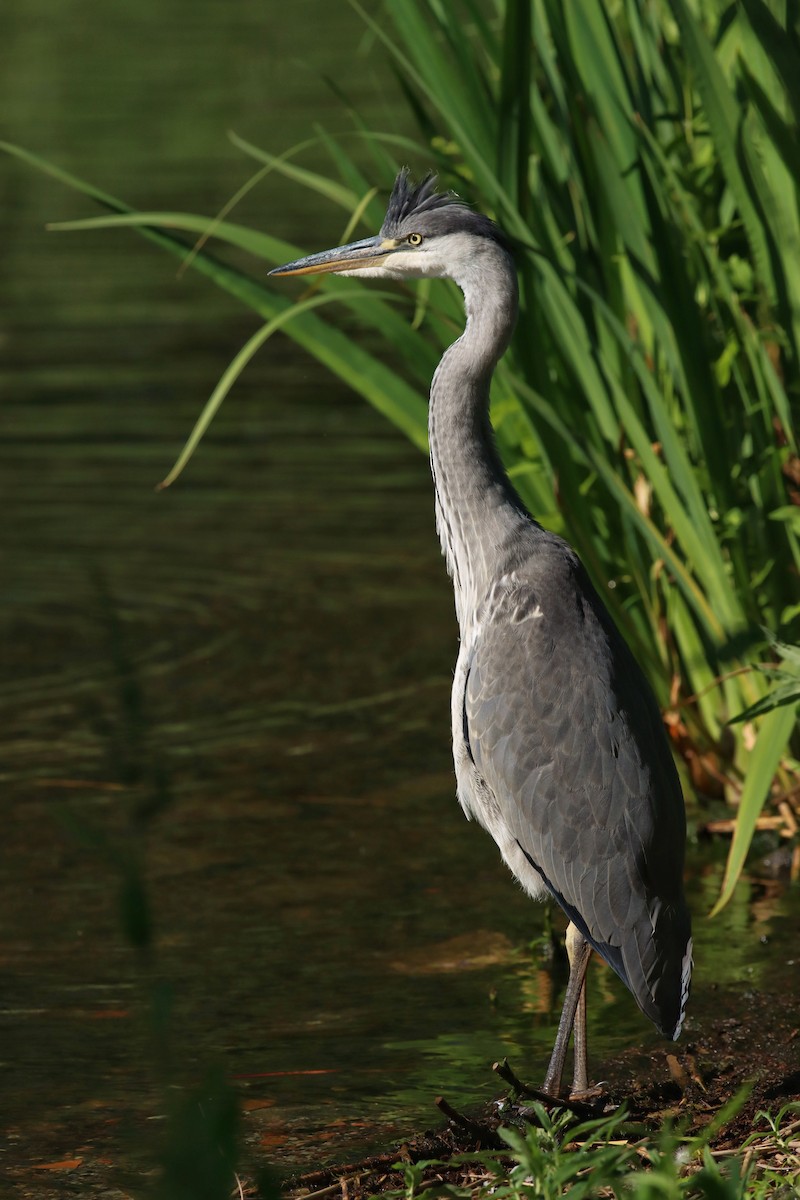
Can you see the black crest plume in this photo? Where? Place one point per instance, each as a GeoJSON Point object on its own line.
{"type": "Point", "coordinates": [432, 211]}
{"type": "Point", "coordinates": [409, 199]}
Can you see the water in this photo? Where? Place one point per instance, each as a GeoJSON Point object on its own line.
{"type": "Point", "coordinates": [333, 932]}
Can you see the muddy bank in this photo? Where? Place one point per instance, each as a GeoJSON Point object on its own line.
{"type": "Point", "coordinates": [754, 1044]}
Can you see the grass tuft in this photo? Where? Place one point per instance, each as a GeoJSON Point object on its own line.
{"type": "Point", "coordinates": [554, 1157]}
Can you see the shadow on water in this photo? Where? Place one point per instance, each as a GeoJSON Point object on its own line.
{"type": "Point", "coordinates": [305, 906]}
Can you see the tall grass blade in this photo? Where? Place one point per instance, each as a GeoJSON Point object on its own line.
{"type": "Point", "coordinates": [726, 123]}
{"type": "Point", "coordinates": [775, 730]}
{"type": "Point", "coordinates": [232, 373]}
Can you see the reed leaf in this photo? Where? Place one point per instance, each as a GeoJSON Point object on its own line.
{"type": "Point", "coordinates": [774, 732]}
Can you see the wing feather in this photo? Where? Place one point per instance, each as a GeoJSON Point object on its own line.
{"type": "Point", "coordinates": [565, 733]}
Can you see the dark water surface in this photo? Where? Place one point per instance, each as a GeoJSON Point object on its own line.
{"type": "Point", "coordinates": [335, 935]}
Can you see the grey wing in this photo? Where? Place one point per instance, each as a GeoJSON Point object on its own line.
{"type": "Point", "coordinates": [565, 734]}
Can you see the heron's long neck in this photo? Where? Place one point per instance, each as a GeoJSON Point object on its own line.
{"type": "Point", "coordinates": [477, 510]}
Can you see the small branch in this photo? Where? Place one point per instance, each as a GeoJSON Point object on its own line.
{"type": "Point", "coordinates": [578, 1107]}
{"type": "Point", "coordinates": [456, 1117]}
{"type": "Point", "coordinates": [503, 1069]}
{"type": "Point", "coordinates": [728, 824]}
{"type": "Point", "coordinates": [678, 1072]}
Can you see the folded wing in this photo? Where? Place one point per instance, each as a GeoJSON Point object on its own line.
{"type": "Point", "coordinates": [564, 731]}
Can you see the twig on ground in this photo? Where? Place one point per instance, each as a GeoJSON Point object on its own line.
{"type": "Point", "coordinates": [578, 1107]}
{"type": "Point", "coordinates": [481, 1132]}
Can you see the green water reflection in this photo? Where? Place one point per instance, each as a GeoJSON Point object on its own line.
{"type": "Point", "coordinates": [335, 934]}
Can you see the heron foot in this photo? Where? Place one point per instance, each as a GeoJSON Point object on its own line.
{"type": "Point", "coordinates": [588, 1094]}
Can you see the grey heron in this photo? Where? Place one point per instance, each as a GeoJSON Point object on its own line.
{"type": "Point", "coordinates": [559, 748]}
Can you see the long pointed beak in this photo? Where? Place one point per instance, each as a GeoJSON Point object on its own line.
{"type": "Point", "coordinates": [367, 253]}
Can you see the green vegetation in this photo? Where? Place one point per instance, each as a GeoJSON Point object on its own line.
{"type": "Point", "coordinates": [645, 161]}
{"type": "Point", "coordinates": [607, 1158]}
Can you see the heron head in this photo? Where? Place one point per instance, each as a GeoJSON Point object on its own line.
{"type": "Point", "coordinates": [425, 233]}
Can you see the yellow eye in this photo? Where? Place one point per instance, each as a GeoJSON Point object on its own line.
{"type": "Point", "coordinates": [414, 239]}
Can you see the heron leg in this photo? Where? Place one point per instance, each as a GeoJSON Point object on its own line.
{"type": "Point", "coordinates": [573, 1014]}
{"type": "Point", "coordinates": [580, 1074]}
